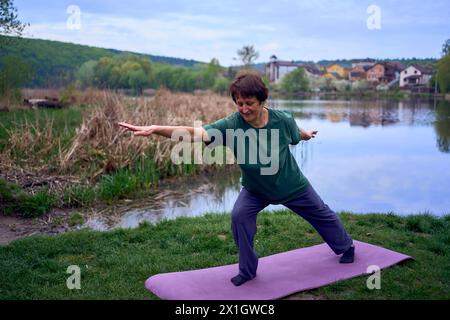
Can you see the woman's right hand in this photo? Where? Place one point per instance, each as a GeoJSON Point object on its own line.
{"type": "Point", "coordinates": [138, 130]}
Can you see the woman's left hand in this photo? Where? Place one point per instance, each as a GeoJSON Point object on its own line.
{"type": "Point", "coordinates": [306, 135]}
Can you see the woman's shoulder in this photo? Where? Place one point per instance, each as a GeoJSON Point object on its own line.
{"type": "Point", "coordinates": [281, 114]}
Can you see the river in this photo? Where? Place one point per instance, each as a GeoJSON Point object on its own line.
{"type": "Point", "coordinates": [368, 157]}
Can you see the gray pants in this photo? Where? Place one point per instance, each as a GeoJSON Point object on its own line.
{"type": "Point", "coordinates": [308, 205]}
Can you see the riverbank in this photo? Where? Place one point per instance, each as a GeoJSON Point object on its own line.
{"type": "Point", "coordinates": [77, 157]}
{"type": "Point", "coordinates": [362, 95]}
{"type": "Point", "coordinates": [115, 264]}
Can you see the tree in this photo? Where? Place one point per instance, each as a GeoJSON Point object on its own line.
{"type": "Point", "coordinates": [221, 85]}
{"type": "Point", "coordinates": [361, 85]}
{"type": "Point", "coordinates": [295, 81]}
{"type": "Point", "coordinates": [208, 74]}
{"type": "Point", "coordinates": [443, 74]}
{"type": "Point", "coordinates": [247, 55]}
{"type": "Point", "coordinates": [138, 80]}
{"type": "Point", "coordinates": [86, 74]}
{"type": "Point", "coordinates": [446, 48]}
{"type": "Point", "coordinates": [9, 22]}
{"type": "Point", "coordinates": [14, 74]}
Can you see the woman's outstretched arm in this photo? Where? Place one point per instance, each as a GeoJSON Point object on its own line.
{"type": "Point", "coordinates": [196, 134]}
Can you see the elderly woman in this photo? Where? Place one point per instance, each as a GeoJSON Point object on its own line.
{"type": "Point", "coordinates": [252, 133]}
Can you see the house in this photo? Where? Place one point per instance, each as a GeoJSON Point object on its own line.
{"type": "Point", "coordinates": [363, 63]}
{"type": "Point", "coordinates": [415, 75]}
{"type": "Point", "coordinates": [336, 71]}
{"type": "Point", "coordinates": [276, 69]}
{"type": "Point", "coordinates": [312, 70]}
{"type": "Point", "coordinates": [384, 72]}
{"type": "Point", "coordinates": [358, 72]}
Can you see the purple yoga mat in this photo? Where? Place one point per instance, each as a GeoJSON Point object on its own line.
{"type": "Point", "coordinates": [278, 275]}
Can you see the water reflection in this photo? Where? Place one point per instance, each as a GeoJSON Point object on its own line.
{"type": "Point", "coordinates": [442, 127]}
{"type": "Point", "coordinates": [361, 112]}
{"type": "Point", "coordinates": [369, 156]}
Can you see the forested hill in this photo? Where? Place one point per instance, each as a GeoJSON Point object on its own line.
{"type": "Point", "coordinates": [54, 63]}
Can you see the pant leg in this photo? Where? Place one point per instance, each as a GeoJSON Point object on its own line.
{"type": "Point", "coordinates": [311, 207]}
{"type": "Point", "coordinates": [243, 226]}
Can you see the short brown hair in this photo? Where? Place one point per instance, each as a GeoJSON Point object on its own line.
{"type": "Point", "coordinates": [248, 83]}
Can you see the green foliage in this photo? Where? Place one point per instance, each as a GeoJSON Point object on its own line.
{"type": "Point", "coordinates": [79, 196]}
{"type": "Point", "coordinates": [446, 48]}
{"type": "Point", "coordinates": [86, 73]}
{"type": "Point", "coordinates": [443, 74]}
{"type": "Point", "coordinates": [13, 200]}
{"type": "Point", "coordinates": [14, 74]}
{"type": "Point", "coordinates": [10, 195]}
{"type": "Point", "coordinates": [132, 72]}
{"type": "Point", "coordinates": [295, 81]}
{"type": "Point", "coordinates": [9, 22]}
{"type": "Point", "coordinates": [129, 181]}
{"type": "Point", "coordinates": [65, 60]}
{"type": "Point", "coordinates": [360, 85]}
{"type": "Point", "coordinates": [125, 72]}
{"type": "Point", "coordinates": [221, 85]}
{"type": "Point", "coordinates": [37, 205]}
{"type": "Point", "coordinates": [75, 219]}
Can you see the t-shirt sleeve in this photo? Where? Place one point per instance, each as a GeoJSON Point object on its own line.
{"type": "Point", "coordinates": [219, 128]}
{"type": "Point", "coordinates": [293, 129]}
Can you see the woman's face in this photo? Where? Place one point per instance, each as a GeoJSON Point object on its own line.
{"type": "Point", "coordinates": [249, 108]}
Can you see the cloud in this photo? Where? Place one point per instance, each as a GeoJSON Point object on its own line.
{"type": "Point", "coordinates": [175, 35]}
{"type": "Point", "coordinates": [292, 30]}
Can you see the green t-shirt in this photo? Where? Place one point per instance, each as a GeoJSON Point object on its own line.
{"type": "Point", "coordinates": [267, 165]}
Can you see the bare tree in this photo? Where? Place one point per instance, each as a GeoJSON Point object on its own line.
{"type": "Point", "coordinates": [247, 55]}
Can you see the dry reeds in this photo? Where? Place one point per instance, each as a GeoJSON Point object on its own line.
{"type": "Point", "coordinates": [99, 144]}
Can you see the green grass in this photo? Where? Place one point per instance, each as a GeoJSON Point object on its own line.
{"type": "Point", "coordinates": [13, 200]}
{"type": "Point", "coordinates": [115, 264]}
{"type": "Point", "coordinates": [65, 120]}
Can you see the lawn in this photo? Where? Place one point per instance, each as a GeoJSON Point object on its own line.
{"type": "Point", "coordinates": [115, 264]}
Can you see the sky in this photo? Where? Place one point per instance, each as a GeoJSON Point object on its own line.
{"type": "Point", "coordinates": [202, 30]}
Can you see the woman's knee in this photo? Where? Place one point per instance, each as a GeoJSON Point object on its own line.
{"type": "Point", "coordinates": [240, 215]}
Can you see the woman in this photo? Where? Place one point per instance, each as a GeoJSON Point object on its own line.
{"type": "Point", "coordinates": [256, 133]}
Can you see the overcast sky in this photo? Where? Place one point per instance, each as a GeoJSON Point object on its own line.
{"type": "Point", "coordinates": [206, 29]}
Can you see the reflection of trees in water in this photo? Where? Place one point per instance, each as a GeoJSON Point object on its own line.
{"type": "Point", "coordinates": [378, 112]}
{"type": "Point", "coordinates": [302, 153]}
{"type": "Point", "coordinates": [213, 181]}
{"type": "Point", "coordinates": [442, 126]}
{"type": "Point", "coordinates": [362, 113]}
{"type": "Point", "coordinates": [227, 178]}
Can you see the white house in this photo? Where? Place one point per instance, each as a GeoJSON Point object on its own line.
{"type": "Point", "coordinates": [276, 69]}
{"type": "Point", "coordinates": [414, 75]}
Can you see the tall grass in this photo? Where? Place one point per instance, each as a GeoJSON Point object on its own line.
{"type": "Point", "coordinates": [100, 142]}
{"type": "Point", "coordinates": [98, 145]}
{"type": "Point", "coordinates": [84, 156]}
